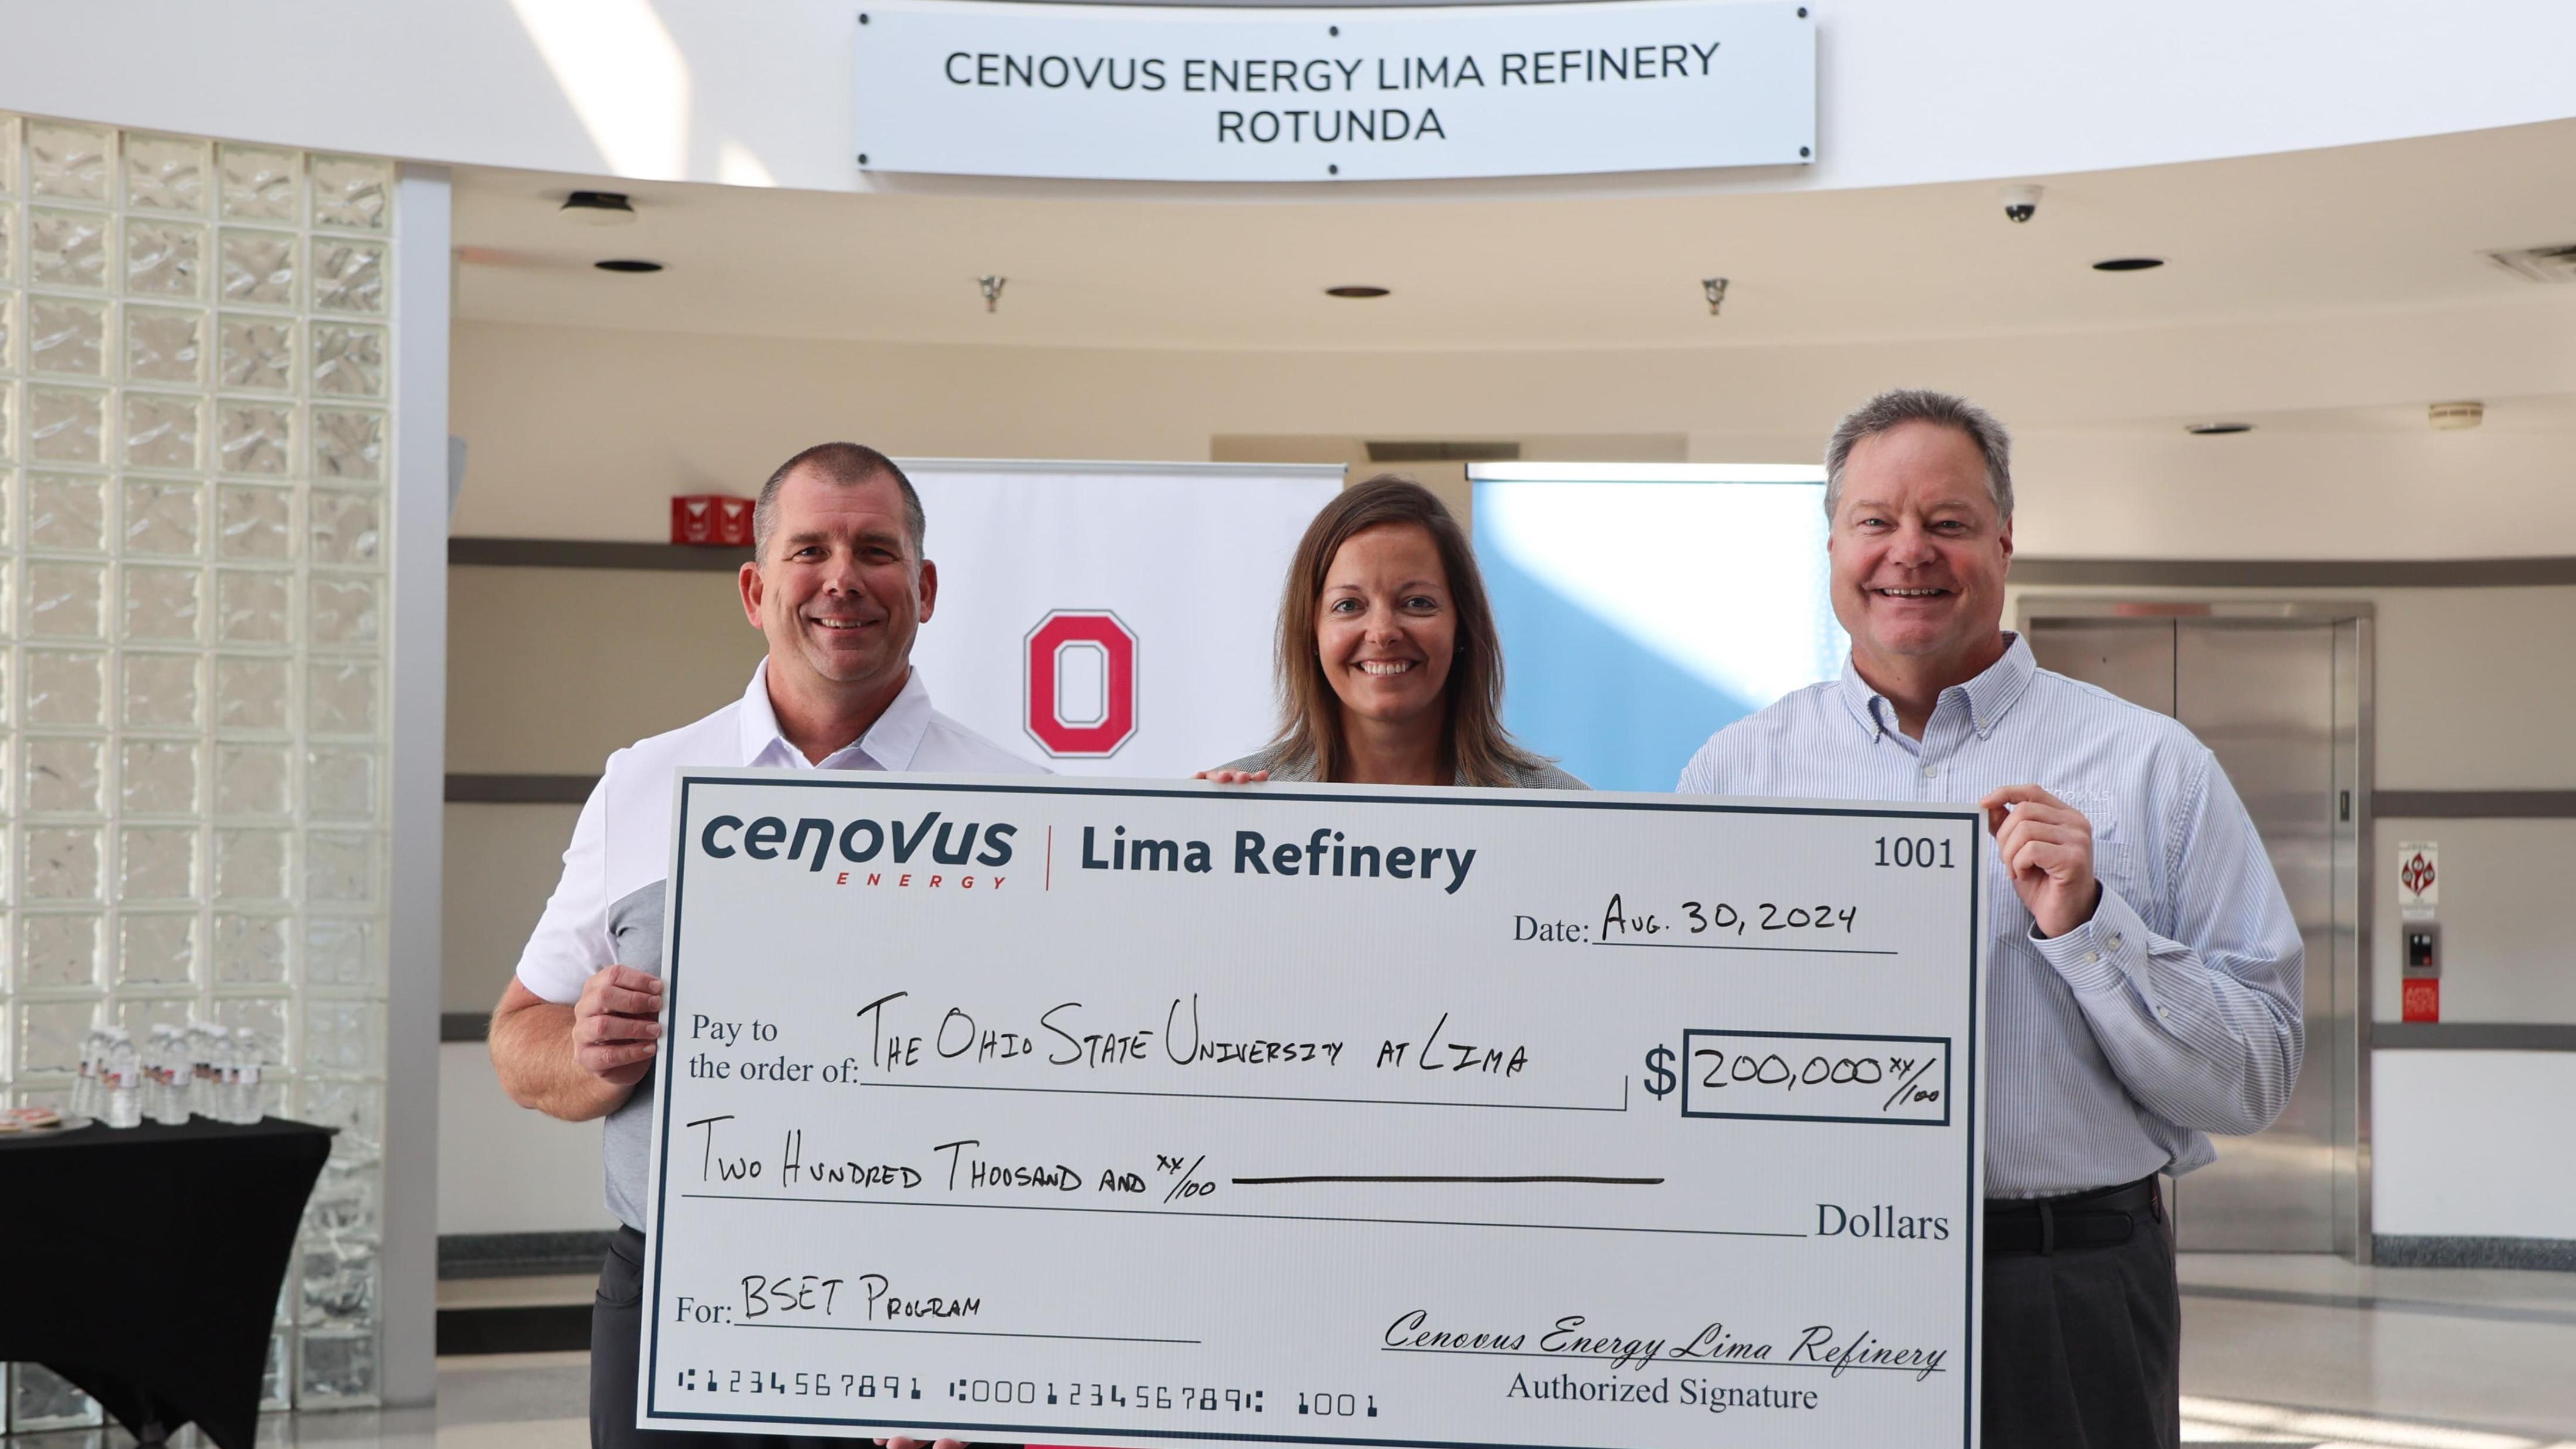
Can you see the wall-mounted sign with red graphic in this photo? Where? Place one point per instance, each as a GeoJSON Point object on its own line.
{"type": "Point", "coordinates": [1080, 683]}
{"type": "Point", "coordinates": [711, 519]}
{"type": "Point", "coordinates": [2419, 880]}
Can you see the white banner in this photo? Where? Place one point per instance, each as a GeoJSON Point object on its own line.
{"type": "Point", "coordinates": [1105, 1113]}
{"type": "Point", "coordinates": [1111, 618]}
{"type": "Point", "coordinates": [1172, 93]}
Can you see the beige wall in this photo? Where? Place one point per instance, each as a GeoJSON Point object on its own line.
{"type": "Point", "coordinates": [502, 862]}
{"type": "Point", "coordinates": [551, 669]}
{"type": "Point", "coordinates": [585, 434]}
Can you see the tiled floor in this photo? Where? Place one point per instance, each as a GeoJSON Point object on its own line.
{"type": "Point", "coordinates": [2298, 1350]}
{"type": "Point", "coordinates": [2276, 1351]}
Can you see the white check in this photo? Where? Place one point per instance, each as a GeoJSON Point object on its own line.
{"type": "Point", "coordinates": [1100, 1114]}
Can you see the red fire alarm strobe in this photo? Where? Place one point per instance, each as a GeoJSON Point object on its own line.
{"type": "Point", "coordinates": [715, 519]}
{"type": "Point", "coordinates": [2422, 999]}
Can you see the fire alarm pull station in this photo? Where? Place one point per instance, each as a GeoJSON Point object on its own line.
{"type": "Point", "coordinates": [2423, 949]}
{"type": "Point", "coordinates": [2421, 990]}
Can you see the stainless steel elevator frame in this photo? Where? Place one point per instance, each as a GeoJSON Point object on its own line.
{"type": "Point", "coordinates": [2354, 706]}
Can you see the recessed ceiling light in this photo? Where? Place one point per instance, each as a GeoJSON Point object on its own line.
{"type": "Point", "coordinates": [627, 264]}
{"type": "Point", "coordinates": [1355, 291]}
{"type": "Point", "coordinates": [2129, 264]}
{"type": "Point", "coordinates": [598, 208]}
{"type": "Point", "coordinates": [2211, 430]}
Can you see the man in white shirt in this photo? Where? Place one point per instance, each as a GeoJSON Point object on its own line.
{"type": "Point", "coordinates": [839, 586]}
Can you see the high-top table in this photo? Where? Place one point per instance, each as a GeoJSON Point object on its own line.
{"type": "Point", "coordinates": [143, 1265]}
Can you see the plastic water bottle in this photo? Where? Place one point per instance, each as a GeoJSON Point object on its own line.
{"type": "Point", "coordinates": [209, 1048]}
{"type": "Point", "coordinates": [123, 1081]}
{"type": "Point", "coordinates": [192, 1070]}
{"type": "Point", "coordinates": [85, 1097]}
{"type": "Point", "coordinates": [171, 1073]}
{"type": "Point", "coordinates": [243, 1075]}
{"type": "Point", "coordinates": [147, 1057]}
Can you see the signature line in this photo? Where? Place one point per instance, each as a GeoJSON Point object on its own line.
{"type": "Point", "coordinates": [1917, 1370]}
{"type": "Point", "coordinates": [1411, 1178]}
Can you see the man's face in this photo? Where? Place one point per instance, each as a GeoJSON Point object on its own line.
{"type": "Point", "coordinates": [1918, 552]}
{"type": "Point", "coordinates": [838, 591]}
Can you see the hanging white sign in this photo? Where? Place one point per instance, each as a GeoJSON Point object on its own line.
{"type": "Point", "coordinates": [1173, 93]}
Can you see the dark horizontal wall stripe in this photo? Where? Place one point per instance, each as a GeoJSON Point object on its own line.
{"type": "Point", "coordinates": [582, 553]}
{"type": "Point", "coordinates": [2474, 1036]}
{"type": "Point", "coordinates": [2474, 804]}
{"type": "Point", "coordinates": [2401, 1250]}
{"type": "Point", "coordinates": [519, 789]}
{"type": "Point", "coordinates": [543, 1328]}
{"type": "Point", "coordinates": [463, 1026]}
{"type": "Point", "coordinates": [2392, 573]}
{"type": "Point", "coordinates": [520, 1255]}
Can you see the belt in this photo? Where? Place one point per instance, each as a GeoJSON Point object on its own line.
{"type": "Point", "coordinates": [2106, 1217]}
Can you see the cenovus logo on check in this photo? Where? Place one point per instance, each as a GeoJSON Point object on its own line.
{"type": "Point", "coordinates": [898, 842]}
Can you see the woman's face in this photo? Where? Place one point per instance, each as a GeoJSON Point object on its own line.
{"type": "Point", "coordinates": [1385, 628]}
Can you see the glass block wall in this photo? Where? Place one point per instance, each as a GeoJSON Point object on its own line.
{"type": "Point", "coordinates": [195, 445]}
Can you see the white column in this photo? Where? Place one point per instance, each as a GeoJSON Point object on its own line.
{"type": "Point", "coordinates": [418, 772]}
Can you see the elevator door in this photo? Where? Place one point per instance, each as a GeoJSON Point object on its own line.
{"type": "Point", "coordinates": [2263, 695]}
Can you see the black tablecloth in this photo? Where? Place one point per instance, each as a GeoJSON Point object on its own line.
{"type": "Point", "coordinates": [143, 1264]}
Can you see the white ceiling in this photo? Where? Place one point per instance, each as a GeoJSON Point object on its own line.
{"type": "Point", "coordinates": [2396, 225]}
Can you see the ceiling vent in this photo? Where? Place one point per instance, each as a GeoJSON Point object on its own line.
{"type": "Point", "coordinates": [2539, 264]}
{"type": "Point", "coordinates": [1405, 452]}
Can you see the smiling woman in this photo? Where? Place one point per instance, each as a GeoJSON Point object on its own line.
{"type": "Point", "coordinates": [1390, 672]}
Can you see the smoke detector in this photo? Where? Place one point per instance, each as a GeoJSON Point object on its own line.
{"type": "Point", "coordinates": [2454, 417]}
{"type": "Point", "coordinates": [2538, 264]}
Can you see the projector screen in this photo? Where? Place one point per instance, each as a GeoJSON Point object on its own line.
{"type": "Point", "coordinates": [1643, 607]}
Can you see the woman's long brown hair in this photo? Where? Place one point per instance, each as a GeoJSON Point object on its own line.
{"type": "Point", "coordinates": [1477, 748]}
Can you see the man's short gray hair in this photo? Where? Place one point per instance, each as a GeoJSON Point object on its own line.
{"type": "Point", "coordinates": [1922, 405]}
{"type": "Point", "coordinates": [848, 464]}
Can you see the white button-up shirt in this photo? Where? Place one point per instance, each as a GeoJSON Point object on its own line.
{"type": "Point", "coordinates": [607, 908]}
{"type": "Point", "coordinates": [2172, 1013]}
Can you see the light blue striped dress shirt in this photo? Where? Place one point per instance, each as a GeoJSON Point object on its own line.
{"type": "Point", "coordinates": [2175, 1011]}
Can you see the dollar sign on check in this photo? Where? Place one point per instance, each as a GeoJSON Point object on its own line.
{"type": "Point", "coordinates": [1659, 1072]}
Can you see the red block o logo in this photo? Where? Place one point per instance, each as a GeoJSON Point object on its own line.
{"type": "Point", "coordinates": [1080, 631]}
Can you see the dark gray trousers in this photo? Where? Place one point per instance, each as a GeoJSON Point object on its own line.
{"type": "Point", "coordinates": [2084, 1345]}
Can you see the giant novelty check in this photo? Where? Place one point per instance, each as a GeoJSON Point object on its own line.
{"type": "Point", "coordinates": [1099, 1114]}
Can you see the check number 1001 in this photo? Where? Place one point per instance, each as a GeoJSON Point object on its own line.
{"type": "Point", "coordinates": [1914, 852]}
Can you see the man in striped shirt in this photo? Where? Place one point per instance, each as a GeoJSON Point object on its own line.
{"type": "Point", "coordinates": [2144, 968]}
